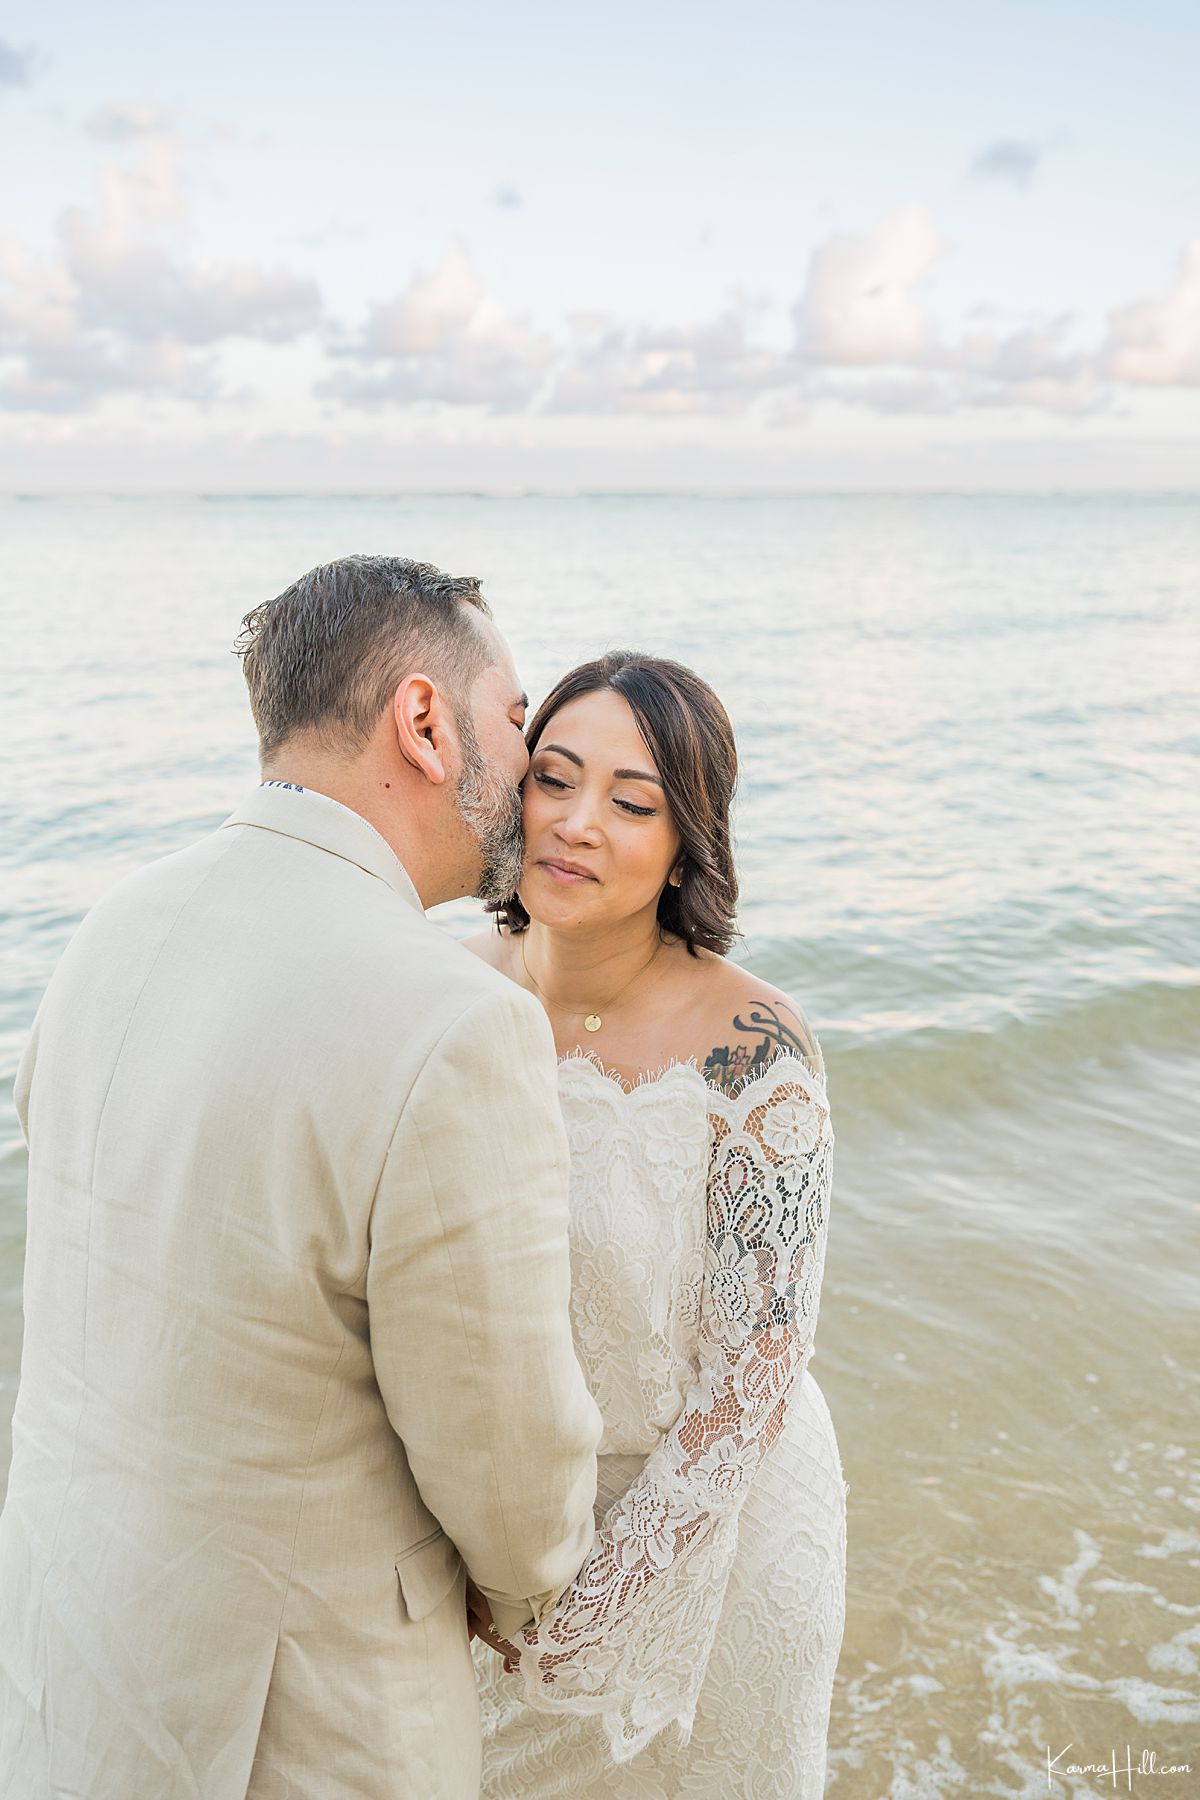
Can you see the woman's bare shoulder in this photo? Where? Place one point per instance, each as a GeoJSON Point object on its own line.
{"type": "Point", "coordinates": [742, 1021]}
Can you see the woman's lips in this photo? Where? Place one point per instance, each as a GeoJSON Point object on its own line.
{"type": "Point", "coordinates": [568, 877]}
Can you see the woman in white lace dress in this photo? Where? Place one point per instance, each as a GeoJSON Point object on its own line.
{"type": "Point", "coordinates": [694, 1654]}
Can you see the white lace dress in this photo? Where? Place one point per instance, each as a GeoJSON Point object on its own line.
{"type": "Point", "coordinates": [695, 1652]}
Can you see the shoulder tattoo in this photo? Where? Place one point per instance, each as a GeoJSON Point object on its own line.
{"type": "Point", "coordinates": [758, 1039]}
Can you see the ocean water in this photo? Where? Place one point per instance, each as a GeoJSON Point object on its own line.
{"type": "Point", "coordinates": [967, 832]}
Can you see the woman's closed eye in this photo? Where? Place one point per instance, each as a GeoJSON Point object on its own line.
{"type": "Point", "coordinates": [552, 781]}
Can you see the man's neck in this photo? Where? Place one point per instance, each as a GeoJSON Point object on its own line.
{"type": "Point", "coordinates": [355, 788]}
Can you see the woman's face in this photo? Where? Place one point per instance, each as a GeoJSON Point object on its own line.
{"type": "Point", "coordinates": [599, 840]}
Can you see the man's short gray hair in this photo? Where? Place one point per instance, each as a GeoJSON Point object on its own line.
{"type": "Point", "coordinates": [327, 655]}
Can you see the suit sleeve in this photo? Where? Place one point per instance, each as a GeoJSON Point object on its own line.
{"type": "Point", "coordinates": [468, 1291]}
{"type": "Point", "coordinates": [23, 1080]}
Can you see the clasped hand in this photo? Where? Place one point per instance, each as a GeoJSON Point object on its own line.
{"type": "Point", "coordinates": [479, 1624]}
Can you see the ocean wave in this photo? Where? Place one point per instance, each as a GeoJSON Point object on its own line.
{"type": "Point", "coordinates": [892, 1062]}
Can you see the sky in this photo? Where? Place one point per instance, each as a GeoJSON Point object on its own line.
{"type": "Point", "coordinates": [625, 247]}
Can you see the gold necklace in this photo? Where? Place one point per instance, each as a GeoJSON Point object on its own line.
{"type": "Point", "coordinates": [593, 1021]}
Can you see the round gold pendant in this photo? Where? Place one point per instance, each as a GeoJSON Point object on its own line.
{"type": "Point", "coordinates": [593, 1022]}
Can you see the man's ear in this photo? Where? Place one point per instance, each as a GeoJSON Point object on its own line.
{"type": "Point", "coordinates": [421, 719]}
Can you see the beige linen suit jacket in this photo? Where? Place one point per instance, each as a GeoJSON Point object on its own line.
{"type": "Point", "coordinates": [297, 1342]}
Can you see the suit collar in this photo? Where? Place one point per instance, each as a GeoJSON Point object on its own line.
{"type": "Point", "coordinates": [316, 818]}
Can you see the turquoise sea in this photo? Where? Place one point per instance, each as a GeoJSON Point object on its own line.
{"type": "Point", "coordinates": [969, 845]}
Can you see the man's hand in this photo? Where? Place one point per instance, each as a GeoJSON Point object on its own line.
{"type": "Point", "coordinates": [479, 1624]}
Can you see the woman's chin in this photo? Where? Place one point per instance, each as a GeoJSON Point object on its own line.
{"type": "Point", "coordinates": [548, 903]}
{"type": "Point", "coordinates": [549, 914]}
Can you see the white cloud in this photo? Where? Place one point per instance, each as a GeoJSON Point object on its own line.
{"type": "Point", "coordinates": [1156, 343]}
{"type": "Point", "coordinates": [860, 303]}
{"type": "Point", "coordinates": [432, 312]}
{"type": "Point", "coordinates": [862, 308]}
{"type": "Point", "coordinates": [667, 371]}
{"type": "Point", "coordinates": [445, 339]}
{"type": "Point", "coordinates": [119, 305]}
{"type": "Point", "coordinates": [122, 304]}
{"type": "Point", "coordinates": [37, 299]}
{"type": "Point", "coordinates": [1034, 366]}
{"type": "Point", "coordinates": [77, 375]}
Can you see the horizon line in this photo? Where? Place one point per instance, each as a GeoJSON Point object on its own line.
{"type": "Point", "coordinates": [475, 492]}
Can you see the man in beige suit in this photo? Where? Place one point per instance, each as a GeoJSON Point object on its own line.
{"type": "Point", "coordinates": [297, 1349]}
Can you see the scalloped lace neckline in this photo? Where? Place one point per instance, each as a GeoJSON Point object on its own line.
{"type": "Point", "coordinates": [687, 1067]}
{"type": "Point", "coordinates": [648, 1077]}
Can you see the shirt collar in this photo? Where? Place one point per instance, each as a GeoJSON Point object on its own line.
{"type": "Point", "coordinates": [319, 819]}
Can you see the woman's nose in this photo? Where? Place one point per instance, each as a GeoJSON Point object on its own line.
{"type": "Point", "coordinates": [578, 823]}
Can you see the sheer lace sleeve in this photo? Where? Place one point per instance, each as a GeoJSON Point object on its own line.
{"type": "Point", "coordinates": [630, 1639]}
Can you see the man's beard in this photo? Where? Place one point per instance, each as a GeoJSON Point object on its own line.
{"type": "Point", "coordinates": [491, 808]}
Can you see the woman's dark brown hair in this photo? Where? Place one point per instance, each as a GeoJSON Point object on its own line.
{"type": "Point", "coordinates": [687, 731]}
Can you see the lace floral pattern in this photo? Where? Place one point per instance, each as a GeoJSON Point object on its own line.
{"type": "Point", "coordinates": [699, 1224]}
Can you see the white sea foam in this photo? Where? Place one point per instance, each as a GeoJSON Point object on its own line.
{"type": "Point", "coordinates": [1174, 1543]}
{"type": "Point", "coordinates": [1065, 1589]}
{"type": "Point", "coordinates": [1013, 1665]}
{"type": "Point", "coordinates": [931, 1777]}
{"type": "Point", "coordinates": [924, 1684]}
{"type": "Point", "coordinates": [1178, 1657]}
{"type": "Point", "coordinates": [1152, 1705]}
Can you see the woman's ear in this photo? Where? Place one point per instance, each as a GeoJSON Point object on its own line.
{"type": "Point", "coordinates": [419, 713]}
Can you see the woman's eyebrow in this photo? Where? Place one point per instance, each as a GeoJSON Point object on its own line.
{"type": "Point", "coordinates": [619, 774]}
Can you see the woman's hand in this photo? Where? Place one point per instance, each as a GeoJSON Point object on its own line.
{"type": "Point", "coordinates": [479, 1624]}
